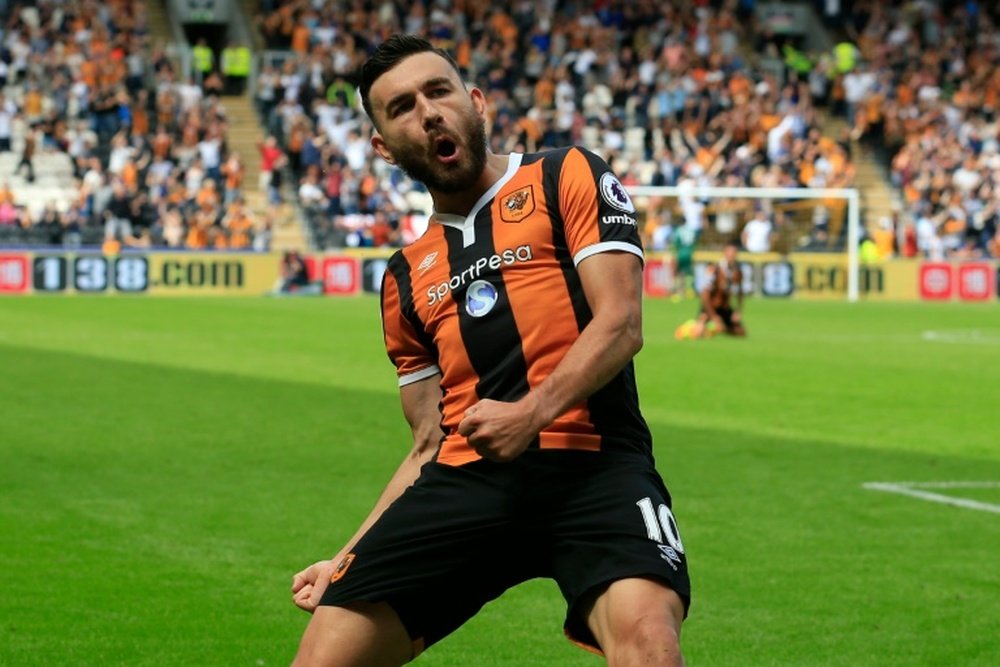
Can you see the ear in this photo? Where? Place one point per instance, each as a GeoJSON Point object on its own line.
{"type": "Point", "coordinates": [378, 143]}
{"type": "Point", "coordinates": [478, 101]}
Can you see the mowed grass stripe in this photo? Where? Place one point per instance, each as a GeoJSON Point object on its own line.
{"type": "Point", "coordinates": [175, 499]}
{"type": "Point", "coordinates": [780, 382]}
{"type": "Point", "coordinates": [314, 341]}
{"type": "Point", "coordinates": [168, 506]}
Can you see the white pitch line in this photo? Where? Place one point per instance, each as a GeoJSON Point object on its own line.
{"type": "Point", "coordinates": [947, 485]}
{"type": "Point", "coordinates": [962, 336]}
{"type": "Point", "coordinates": [901, 489]}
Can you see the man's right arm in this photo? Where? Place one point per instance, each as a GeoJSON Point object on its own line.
{"type": "Point", "coordinates": [421, 406]}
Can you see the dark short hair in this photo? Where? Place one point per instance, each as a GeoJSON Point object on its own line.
{"type": "Point", "coordinates": [388, 55]}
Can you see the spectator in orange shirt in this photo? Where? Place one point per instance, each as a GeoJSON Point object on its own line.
{"type": "Point", "coordinates": [233, 172]}
{"type": "Point", "coordinates": [218, 239]}
{"type": "Point", "coordinates": [382, 233]}
{"type": "Point", "coordinates": [300, 39]}
{"type": "Point", "coordinates": [32, 105]}
{"type": "Point", "coordinates": [207, 199]}
{"type": "Point", "coordinates": [240, 225]}
{"type": "Point", "coordinates": [6, 195]}
{"type": "Point", "coordinates": [198, 226]}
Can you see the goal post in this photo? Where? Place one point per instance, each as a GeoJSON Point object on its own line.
{"type": "Point", "coordinates": [851, 197]}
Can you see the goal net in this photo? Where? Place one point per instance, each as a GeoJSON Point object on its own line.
{"type": "Point", "coordinates": [822, 220]}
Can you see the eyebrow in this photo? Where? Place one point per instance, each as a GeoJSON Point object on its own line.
{"type": "Point", "coordinates": [429, 83]}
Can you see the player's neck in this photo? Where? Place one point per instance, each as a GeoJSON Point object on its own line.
{"type": "Point", "coordinates": [461, 203]}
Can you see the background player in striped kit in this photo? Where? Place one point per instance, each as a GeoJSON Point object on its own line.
{"type": "Point", "coordinates": [724, 280]}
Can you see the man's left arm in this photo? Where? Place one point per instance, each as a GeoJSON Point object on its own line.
{"type": "Point", "coordinates": [612, 283]}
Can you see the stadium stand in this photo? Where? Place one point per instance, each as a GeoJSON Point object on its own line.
{"type": "Point", "coordinates": [101, 139]}
{"type": "Point", "coordinates": [927, 93]}
{"type": "Point", "coordinates": [677, 93]}
{"type": "Point", "coordinates": [664, 91]}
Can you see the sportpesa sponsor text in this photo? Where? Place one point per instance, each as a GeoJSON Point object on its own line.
{"type": "Point", "coordinates": [437, 293]}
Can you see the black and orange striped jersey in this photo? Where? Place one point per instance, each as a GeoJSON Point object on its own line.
{"type": "Point", "coordinates": [492, 301]}
{"type": "Point", "coordinates": [723, 280]}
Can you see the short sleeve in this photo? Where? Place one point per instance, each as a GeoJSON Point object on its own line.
{"type": "Point", "coordinates": [598, 213]}
{"type": "Point", "coordinates": [413, 359]}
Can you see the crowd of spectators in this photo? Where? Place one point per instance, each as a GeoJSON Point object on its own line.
{"type": "Point", "coordinates": [926, 91]}
{"type": "Point", "coordinates": [663, 91]}
{"type": "Point", "coordinates": [147, 145]}
{"type": "Point", "coordinates": [668, 93]}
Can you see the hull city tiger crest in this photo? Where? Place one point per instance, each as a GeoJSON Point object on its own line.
{"type": "Point", "coordinates": [518, 205]}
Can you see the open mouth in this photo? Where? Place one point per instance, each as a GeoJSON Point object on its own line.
{"type": "Point", "coordinates": [446, 149]}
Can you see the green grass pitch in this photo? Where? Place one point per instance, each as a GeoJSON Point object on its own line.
{"type": "Point", "coordinates": [166, 465]}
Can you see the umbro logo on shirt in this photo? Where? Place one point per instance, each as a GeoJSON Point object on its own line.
{"type": "Point", "coordinates": [619, 220]}
{"type": "Point", "coordinates": [427, 262]}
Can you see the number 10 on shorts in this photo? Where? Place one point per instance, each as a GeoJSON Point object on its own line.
{"type": "Point", "coordinates": [661, 527]}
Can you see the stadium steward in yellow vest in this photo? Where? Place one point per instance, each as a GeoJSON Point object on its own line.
{"type": "Point", "coordinates": [202, 60]}
{"type": "Point", "coordinates": [236, 66]}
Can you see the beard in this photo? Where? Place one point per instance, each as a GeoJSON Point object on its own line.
{"type": "Point", "coordinates": [421, 166]}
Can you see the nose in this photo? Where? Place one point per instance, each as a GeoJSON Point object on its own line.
{"type": "Point", "coordinates": [429, 113]}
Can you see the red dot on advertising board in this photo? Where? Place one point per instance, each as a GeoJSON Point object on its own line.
{"type": "Point", "coordinates": [975, 282]}
{"type": "Point", "coordinates": [340, 275]}
{"type": "Point", "coordinates": [936, 281]}
{"type": "Point", "coordinates": [13, 273]}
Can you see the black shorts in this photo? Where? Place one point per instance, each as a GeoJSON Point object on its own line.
{"type": "Point", "coordinates": [461, 536]}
